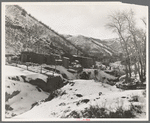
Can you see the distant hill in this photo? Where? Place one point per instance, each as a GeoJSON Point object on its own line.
{"type": "Point", "coordinates": [93, 46]}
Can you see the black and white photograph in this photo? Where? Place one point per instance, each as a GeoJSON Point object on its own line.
{"type": "Point", "coordinates": [74, 61]}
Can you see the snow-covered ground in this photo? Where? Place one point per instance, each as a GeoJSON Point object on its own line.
{"type": "Point", "coordinates": [12, 71]}
{"type": "Point", "coordinates": [37, 69]}
{"type": "Point", "coordinates": [19, 95]}
{"type": "Point", "coordinates": [75, 96]}
{"type": "Point", "coordinates": [79, 95]}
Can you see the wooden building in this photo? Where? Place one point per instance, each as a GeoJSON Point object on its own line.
{"type": "Point", "coordinates": [86, 62]}
{"type": "Point", "coordinates": [39, 58]}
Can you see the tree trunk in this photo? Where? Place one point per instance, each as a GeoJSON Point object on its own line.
{"type": "Point", "coordinates": [135, 70]}
{"type": "Point", "coordinates": [126, 79]}
{"type": "Point", "coordinates": [129, 65]}
{"type": "Point", "coordinates": [144, 69]}
{"type": "Point", "coordinates": [141, 77]}
{"type": "Point", "coordinates": [139, 70]}
{"type": "Point", "coordinates": [126, 49]}
{"type": "Point", "coordinates": [128, 61]}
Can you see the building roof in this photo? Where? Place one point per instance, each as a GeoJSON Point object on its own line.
{"type": "Point", "coordinates": [82, 57]}
{"type": "Point", "coordinates": [8, 55]}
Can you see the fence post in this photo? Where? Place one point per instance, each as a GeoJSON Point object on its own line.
{"type": "Point", "coordinates": [27, 65]}
{"type": "Point", "coordinates": [41, 69]}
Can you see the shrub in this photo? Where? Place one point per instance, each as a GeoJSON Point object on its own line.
{"type": "Point", "coordinates": [9, 96]}
{"type": "Point", "coordinates": [94, 112]}
{"type": "Point", "coordinates": [144, 93]}
{"type": "Point", "coordinates": [7, 107]}
{"type": "Point", "coordinates": [74, 114]}
{"type": "Point", "coordinates": [134, 99]}
{"type": "Point", "coordinates": [136, 108]}
{"type": "Point", "coordinates": [102, 112]}
{"type": "Point", "coordinates": [120, 113]}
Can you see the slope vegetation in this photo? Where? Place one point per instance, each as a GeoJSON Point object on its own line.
{"type": "Point", "coordinates": [24, 32]}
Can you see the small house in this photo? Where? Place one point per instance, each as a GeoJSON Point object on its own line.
{"type": "Point", "coordinates": [86, 62]}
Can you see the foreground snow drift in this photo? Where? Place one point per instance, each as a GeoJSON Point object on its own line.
{"type": "Point", "coordinates": [20, 97]}
{"type": "Point", "coordinates": [78, 95]}
{"type": "Point", "coordinates": [12, 71]}
{"type": "Point", "coordinates": [47, 81]}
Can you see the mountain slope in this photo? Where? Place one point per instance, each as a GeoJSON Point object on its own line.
{"type": "Point", "coordinates": [24, 32]}
{"type": "Point", "coordinates": [94, 46]}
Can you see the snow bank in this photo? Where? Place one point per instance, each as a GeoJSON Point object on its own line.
{"type": "Point", "coordinates": [23, 100]}
{"type": "Point", "coordinates": [35, 76]}
{"type": "Point", "coordinates": [12, 71]}
{"type": "Point", "coordinates": [20, 95]}
{"type": "Point", "coordinates": [75, 93]}
{"type": "Point", "coordinates": [75, 96]}
{"type": "Point", "coordinates": [55, 80]}
{"type": "Point", "coordinates": [78, 95]}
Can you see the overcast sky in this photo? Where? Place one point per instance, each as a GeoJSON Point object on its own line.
{"type": "Point", "coordinates": [80, 19]}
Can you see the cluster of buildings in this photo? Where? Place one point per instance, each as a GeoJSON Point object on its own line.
{"type": "Point", "coordinates": [51, 59]}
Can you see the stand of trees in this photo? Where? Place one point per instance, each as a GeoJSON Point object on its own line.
{"type": "Point", "coordinates": [132, 40]}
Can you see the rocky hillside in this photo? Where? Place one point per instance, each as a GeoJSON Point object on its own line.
{"type": "Point", "coordinates": [25, 33]}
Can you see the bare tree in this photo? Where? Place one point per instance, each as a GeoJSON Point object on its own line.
{"type": "Point", "coordinates": [132, 39]}
{"type": "Point", "coordinates": [136, 40]}
{"type": "Point", "coordinates": [118, 25]}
